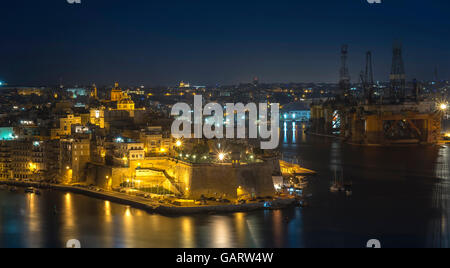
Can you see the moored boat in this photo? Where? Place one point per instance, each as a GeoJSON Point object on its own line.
{"type": "Point", "coordinates": [13, 189]}
{"type": "Point", "coordinates": [31, 190]}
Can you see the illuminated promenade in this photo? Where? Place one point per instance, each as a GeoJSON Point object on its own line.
{"type": "Point", "coordinates": [162, 208]}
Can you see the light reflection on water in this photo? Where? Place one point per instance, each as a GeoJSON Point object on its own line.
{"type": "Point", "coordinates": [400, 196]}
{"type": "Point", "coordinates": [98, 223]}
{"type": "Point", "coordinates": [438, 231]}
{"type": "Point", "coordinates": [34, 222]}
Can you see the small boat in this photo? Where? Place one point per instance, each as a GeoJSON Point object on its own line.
{"type": "Point", "coordinates": [13, 189]}
{"type": "Point", "coordinates": [348, 193]}
{"type": "Point", "coordinates": [334, 188]}
{"type": "Point", "coordinates": [29, 190]}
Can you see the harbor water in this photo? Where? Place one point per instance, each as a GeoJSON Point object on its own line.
{"type": "Point", "coordinates": [400, 197]}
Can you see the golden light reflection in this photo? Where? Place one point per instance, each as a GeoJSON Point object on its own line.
{"type": "Point", "coordinates": [34, 219]}
{"type": "Point", "coordinates": [278, 228]}
{"type": "Point", "coordinates": [107, 227]}
{"type": "Point", "coordinates": [129, 227]}
{"type": "Point", "coordinates": [187, 233]}
{"type": "Point", "coordinates": [241, 227]}
{"type": "Point", "coordinates": [128, 212]}
{"type": "Point", "coordinates": [68, 216]}
{"type": "Point", "coordinates": [107, 209]}
{"type": "Point", "coordinates": [222, 234]}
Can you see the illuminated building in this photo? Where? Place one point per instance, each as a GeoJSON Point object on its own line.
{"type": "Point", "coordinates": [75, 155]}
{"type": "Point", "coordinates": [116, 93]}
{"type": "Point", "coordinates": [28, 159]}
{"type": "Point", "coordinates": [5, 160]}
{"type": "Point", "coordinates": [7, 133]}
{"type": "Point", "coordinates": [125, 151]}
{"type": "Point", "coordinates": [154, 140]}
{"type": "Point", "coordinates": [27, 91]}
{"type": "Point", "coordinates": [184, 85]}
{"type": "Point", "coordinates": [65, 126]}
{"type": "Point", "coordinates": [97, 117]}
{"type": "Point", "coordinates": [77, 92]}
{"type": "Point", "coordinates": [125, 104]}
{"type": "Point", "coordinates": [94, 93]}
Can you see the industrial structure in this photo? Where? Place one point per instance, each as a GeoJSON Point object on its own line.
{"type": "Point", "coordinates": [375, 116]}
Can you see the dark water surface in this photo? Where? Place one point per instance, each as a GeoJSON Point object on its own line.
{"type": "Point", "coordinates": [400, 197]}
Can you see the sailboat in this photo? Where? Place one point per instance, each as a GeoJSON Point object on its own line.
{"type": "Point", "coordinates": [335, 187]}
{"type": "Point", "coordinates": [347, 187]}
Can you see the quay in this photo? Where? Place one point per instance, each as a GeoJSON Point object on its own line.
{"type": "Point", "coordinates": [156, 207]}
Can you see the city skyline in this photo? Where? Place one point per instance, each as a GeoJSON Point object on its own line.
{"type": "Point", "coordinates": [210, 127]}
{"type": "Point", "coordinates": [218, 43]}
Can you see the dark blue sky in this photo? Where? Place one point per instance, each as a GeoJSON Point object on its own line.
{"type": "Point", "coordinates": [216, 41]}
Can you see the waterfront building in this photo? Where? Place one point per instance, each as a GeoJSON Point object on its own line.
{"type": "Point", "coordinates": [75, 155]}
{"type": "Point", "coordinates": [5, 160]}
{"type": "Point", "coordinates": [28, 159]}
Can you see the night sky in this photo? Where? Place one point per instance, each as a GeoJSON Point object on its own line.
{"type": "Point", "coordinates": [216, 42]}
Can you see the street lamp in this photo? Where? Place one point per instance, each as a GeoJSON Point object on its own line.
{"type": "Point", "coordinates": [32, 166]}
{"type": "Point", "coordinates": [179, 143]}
{"type": "Point", "coordinates": [443, 106]}
{"type": "Point", "coordinates": [221, 156]}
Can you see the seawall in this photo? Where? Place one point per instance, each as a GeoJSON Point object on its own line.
{"type": "Point", "coordinates": [154, 207]}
